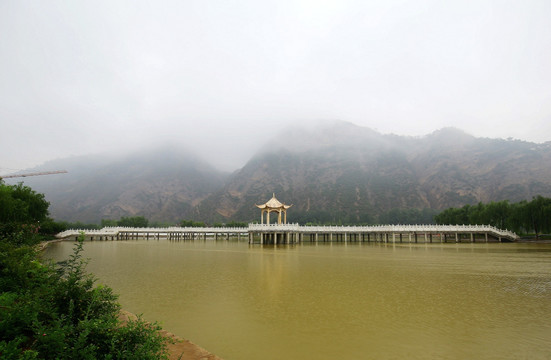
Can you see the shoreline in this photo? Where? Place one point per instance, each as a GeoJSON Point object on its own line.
{"type": "Point", "coordinates": [178, 347]}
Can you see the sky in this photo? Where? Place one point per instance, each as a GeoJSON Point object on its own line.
{"type": "Point", "coordinates": [224, 77]}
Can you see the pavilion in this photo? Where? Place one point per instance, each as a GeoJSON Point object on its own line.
{"type": "Point", "coordinates": [273, 205]}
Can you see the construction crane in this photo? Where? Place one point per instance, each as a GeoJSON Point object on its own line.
{"type": "Point", "coordinates": [33, 174]}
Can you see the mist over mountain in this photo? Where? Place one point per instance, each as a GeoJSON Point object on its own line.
{"type": "Point", "coordinates": [161, 183]}
{"type": "Point", "coordinates": [338, 172]}
{"type": "Point", "coordinates": [343, 172]}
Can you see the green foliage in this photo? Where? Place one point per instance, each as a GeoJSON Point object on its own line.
{"type": "Point", "coordinates": [231, 224]}
{"type": "Point", "coordinates": [21, 212]}
{"type": "Point", "coordinates": [191, 223]}
{"type": "Point", "coordinates": [80, 225]}
{"type": "Point", "coordinates": [51, 227]}
{"type": "Point", "coordinates": [21, 204]}
{"type": "Point", "coordinates": [136, 221]}
{"type": "Point", "coordinates": [236, 224]}
{"type": "Point", "coordinates": [108, 222]}
{"type": "Point", "coordinates": [522, 217]}
{"type": "Point", "coordinates": [56, 312]}
{"type": "Point", "coordinates": [24, 214]}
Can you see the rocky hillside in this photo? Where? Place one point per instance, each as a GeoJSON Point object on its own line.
{"type": "Point", "coordinates": [336, 172]}
{"type": "Point", "coordinates": [162, 184]}
{"type": "Point", "coordinates": [352, 174]}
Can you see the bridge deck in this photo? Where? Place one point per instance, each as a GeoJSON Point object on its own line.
{"type": "Point", "coordinates": [293, 233]}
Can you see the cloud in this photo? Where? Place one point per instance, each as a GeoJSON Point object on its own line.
{"type": "Point", "coordinates": [89, 76]}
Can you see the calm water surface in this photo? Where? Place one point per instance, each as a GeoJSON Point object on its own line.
{"type": "Point", "coordinates": [336, 301]}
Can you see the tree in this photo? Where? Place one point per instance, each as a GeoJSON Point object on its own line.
{"type": "Point", "coordinates": [108, 222]}
{"type": "Point", "coordinates": [498, 214]}
{"type": "Point", "coordinates": [21, 212]}
{"type": "Point", "coordinates": [49, 312]}
{"type": "Point", "coordinates": [136, 221]}
{"type": "Point", "coordinates": [191, 223]}
{"type": "Point", "coordinates": [524, 216]}
{"type": "Point", "coordinates": [19, 203]}
{"type": "Point", "coordinates": [537, 215]}
{"type": "Point", "coordinates": [56, 312]}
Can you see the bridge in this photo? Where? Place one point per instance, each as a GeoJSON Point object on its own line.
{"type": "Point", "coordinates": [294, 233]}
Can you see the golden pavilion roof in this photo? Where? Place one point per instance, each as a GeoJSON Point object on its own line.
{"type": "Point", "coordinates": [273, 203]}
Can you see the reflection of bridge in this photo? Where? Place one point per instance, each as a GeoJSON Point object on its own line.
{"type": "Point", "coordinates": [294, 233]}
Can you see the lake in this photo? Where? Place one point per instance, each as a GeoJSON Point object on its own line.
{"type": "Point", "coordinates": [336, 300]}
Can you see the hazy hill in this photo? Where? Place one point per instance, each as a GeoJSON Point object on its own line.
{"type": "Point", "coordinates": [162, 184]}
{"type": "Point", "coordinates": [353, 174]}
{"type": "Point", "coordinates": [335, 172]}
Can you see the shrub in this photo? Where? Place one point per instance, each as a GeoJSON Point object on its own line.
{"type": "Point", "coordinates": [56, 312]}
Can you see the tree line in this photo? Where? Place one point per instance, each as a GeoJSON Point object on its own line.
{"type": "Point", "coordinates": [524, 217]}
{"type": "Point", "coordinates": [142, 222]}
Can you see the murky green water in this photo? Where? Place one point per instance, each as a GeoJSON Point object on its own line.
{"type": "Point", "coordinates": [337, 301]}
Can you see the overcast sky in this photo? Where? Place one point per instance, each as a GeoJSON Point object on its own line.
{"type": "Point", "coordinates": [80, 77]}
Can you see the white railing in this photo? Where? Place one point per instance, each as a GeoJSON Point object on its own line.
{"type": "Point", "coordinates": [434, 229]}
{"type": "Point", "coordinates": [274, 227]}
{"type": "Point", "coordinates": [115, 230]}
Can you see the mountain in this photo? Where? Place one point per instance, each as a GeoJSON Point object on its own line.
{"type": "Point", "coordinates": [331, 173]}
{"type": "Point", "coordinates": [344, 172]}
{"type": "Point", "coordinates": [162, 184]}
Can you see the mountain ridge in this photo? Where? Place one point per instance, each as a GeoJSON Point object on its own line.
{"type": "Point", "coordinates": [361, 174]}
{"type": "Point", "coordinates": [337, 173]}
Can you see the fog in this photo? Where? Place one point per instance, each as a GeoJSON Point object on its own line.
{"type": "Point", "coordinates": [223, 77]}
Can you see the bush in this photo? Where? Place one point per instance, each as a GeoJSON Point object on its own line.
{"type": "Point", "coordinates": [52, 311]}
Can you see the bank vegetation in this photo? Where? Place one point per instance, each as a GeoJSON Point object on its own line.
{"type": "Point", "coordinates": [56, 311]}
{"type": "Point", "coordinates": [524, 217]}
